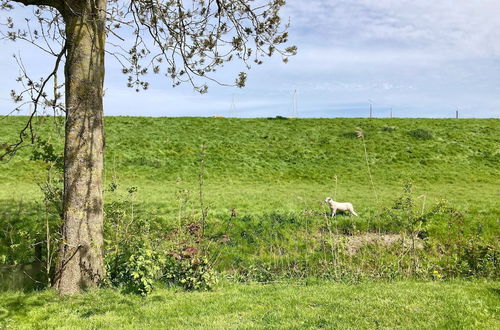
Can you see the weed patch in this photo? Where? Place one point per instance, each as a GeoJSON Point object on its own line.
{"type": "Point", "coordinates": [421, 134]}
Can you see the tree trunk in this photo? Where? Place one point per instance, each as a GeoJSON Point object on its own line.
{"type": "Point", "coordinates": [80, 263]}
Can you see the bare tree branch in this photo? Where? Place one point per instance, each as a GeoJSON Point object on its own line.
{"type": "Point", "coordinates": [40, 93]}
{"type": "Point", "coordinates": [186, 41]}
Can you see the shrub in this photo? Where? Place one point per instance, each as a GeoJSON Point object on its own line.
{"type": "Point", "coordinates": [403, 215]}
{"type": "Point", "coordinates": [277, 118]}
{"type": "Point", "coordinates": [191, 272]}
{"type": "Point", "coordinates": [422, 134]}
{"type": "Point", "coordinates": [139, 253]}
{"type": "Point", "coordinates": [187, 264]}
{"type": "Point", "coordinates": [30, 232]}
{"type": "Point", "coordinates": [134, 269]}
{"type": "Point", "coordinates": [350, 135]}
{"type": "Point", "coordinates": [481, 259]}
{"type": "Point", "coordinates": [133, 259]}
{"type": "Point", "coordinates": [386, 128]}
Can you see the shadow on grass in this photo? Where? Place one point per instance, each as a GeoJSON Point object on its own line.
{"type": "Point", "coordinates": [496, 291]}
{"type": "Point", "coordinates": [17, 305]}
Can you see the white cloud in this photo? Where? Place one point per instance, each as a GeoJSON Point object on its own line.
{"type": "Point", "coordinates": [423, 57]}
{"type": "Point", "coordinates": [471, 27]}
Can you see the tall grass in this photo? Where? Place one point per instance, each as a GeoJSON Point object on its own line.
{"type": "Point", "coordinates": [361, 135]}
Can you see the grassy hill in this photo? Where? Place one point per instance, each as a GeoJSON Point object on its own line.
{"type": "Point", "coordinates": [274, 174]}
{"type": "Point", "coordinates": [263, 165]}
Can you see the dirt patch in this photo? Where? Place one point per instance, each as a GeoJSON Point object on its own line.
{"type": "Point", "coordinates": [355, 243]}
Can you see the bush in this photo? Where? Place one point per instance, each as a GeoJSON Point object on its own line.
{"type": "Point", "coordinates": [134, 269]}
{"type": "Point", "coordinates": [187, 263]}
{"type": "Point", "coordinates": [133, 259]}
{"type": "Point", "coordinates": [422, 134]}
{"type": "Point", "coordinates": [389, 128]}
{"type": "Point", "coordinates": [277, 118]}
{"type": "Point", "coordinates": [190, 272]}
{"type": "Point", "coordinates": [350, 135]}
{"type": "Point", "coordinates": [139, 253]}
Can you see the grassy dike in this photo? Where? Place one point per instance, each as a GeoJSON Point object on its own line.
{"type": "Point", "coordinates": [262, 165]}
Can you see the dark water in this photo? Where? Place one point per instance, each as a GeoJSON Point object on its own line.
{"type": "Point", "coordinates": [23, 277]}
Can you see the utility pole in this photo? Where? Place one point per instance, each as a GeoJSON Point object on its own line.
{"type": "Point", "coordinates": [456, 115]}
{"type": "Point", "coordinates": [232, 111]}
{"type": "Point", "coordinates": [391, 112]}
{"type": "Point", "coordinates": [371, 110]}
{"type": "Point", "coordinates": [294, 104]}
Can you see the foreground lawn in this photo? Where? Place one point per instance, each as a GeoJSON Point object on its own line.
{"type": "Point", "coordinates": [409, 305]}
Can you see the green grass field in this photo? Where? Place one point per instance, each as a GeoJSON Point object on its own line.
{"type": "Point", "coordinates": [275, 174]}
{"type": "Point", "coordinates": [401, 305]}
{"type": "Point", "coordinates": [262, 165]}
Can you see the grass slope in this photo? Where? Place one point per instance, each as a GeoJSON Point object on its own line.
{"type": "Point", "coordinates": [262, 165]}
{"type": "Point", "coordinates": [403, 305]}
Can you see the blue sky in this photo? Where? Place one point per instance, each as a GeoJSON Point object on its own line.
{"type": "Point", "coordinates": [423, 58]}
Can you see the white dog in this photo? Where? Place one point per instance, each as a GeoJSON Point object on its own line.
{"type": "Point", "coordinates": [334, 206]}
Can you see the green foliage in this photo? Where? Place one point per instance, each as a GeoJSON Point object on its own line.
{"type": "Point", "coordinates": [17, 245]}
{"type": "Point", "coordinates": [387, 128]}
{"type": "Point", "coordinates": [133, 261]}
{"type": "Point", "coordinates": [139, 253]}
{"type": "Point", "coordinates": [277, 118]}
{"type": "Point", "coordinates": [460, 244]}
{"type": "Point", "coordinates": [422, 134]}
{"type": "Point", "coordinates": [189, 272]}
{"type": "Point", "coordinates": [134, 269]}
{"type": "Point", "coordinates": [187, 264]}
{"type": "Point", "coordinates": [45, 151]}
{"type": "Point", "coordinates": [405, 239]}
{"type": "Point", "coordinates": [404, 214]}
{"type": "Point", "coordinates": [30, 234]}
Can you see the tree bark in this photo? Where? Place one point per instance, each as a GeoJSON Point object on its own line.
{"type": "Point", "coordinates": [80, 263]}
